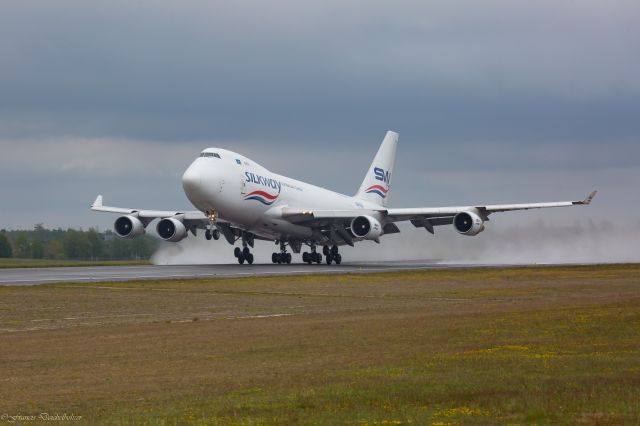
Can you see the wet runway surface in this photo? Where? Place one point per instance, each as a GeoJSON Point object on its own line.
{"type": "Point", "coordinates": [33, 276]}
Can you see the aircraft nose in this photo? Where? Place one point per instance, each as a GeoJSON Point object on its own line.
{"type": "Point", "coordinates": [192, 180]}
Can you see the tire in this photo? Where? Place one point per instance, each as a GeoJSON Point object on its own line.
{"type": "Point", "coordinates": [338, 259]}
{"type": "Point", "coordinates": [246, 252]}
{"type": "Point", "coordinates": [215, 234]}
{"type": "Point", "coordinates": [305, 257]}
{"type": "Point", "coordinates": [241, 259]}
{"type": "Point", "coordinates": [329, 260]}
{"type": "Point", "coordinates": [274, 257]}
{"type": "Point", "coordinates": [334, 250]}
{"type": "Point", "coordinates": [236, 251]}
{"type": "Point", "coordinates": [288, 256]}
{"type": "Point", "coordinates": [319, 259]}
{"type": "Point", "coordinates": [207, 235]}
{"type": "Point", "coordinates": [325, 250]}
{"type": "Point", "coordinates": [250, 259]}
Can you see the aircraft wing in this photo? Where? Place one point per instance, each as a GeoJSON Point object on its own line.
{"type": "Point", "coordinates": [426, 217]}
{"type": "Point", "coordinates": [192, 220]}
{"type": "Point", "coordinates": [148, 214]}
{"type": "Point", "coordinates": [410, 213]}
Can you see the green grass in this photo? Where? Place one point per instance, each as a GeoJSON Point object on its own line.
{"type": "Point", "coordinates": [544, 345]}
{"type": "Point", "coordinates": [553, 367]}
{"type": "Point", "coordinates": [51, 263]}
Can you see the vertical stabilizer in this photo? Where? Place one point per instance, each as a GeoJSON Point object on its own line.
{"type": "Point", "coordinates": [375, 186]}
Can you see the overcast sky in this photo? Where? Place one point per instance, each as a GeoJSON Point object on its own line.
{"type": "Point", "coordinates": [495, 101]}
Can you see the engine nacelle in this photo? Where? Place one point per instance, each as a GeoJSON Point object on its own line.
{"type": "Point", "coordinates": [128, 227]}
{"type": "Point", "coordinates": [468, 223]}
{"type": "Point", "coordinates": [366, 227]}
{"type": "Point", "coordinates": [171, 229]}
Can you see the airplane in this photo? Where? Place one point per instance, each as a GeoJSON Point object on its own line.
{"type": "Point", "coordinates": [241, 200]}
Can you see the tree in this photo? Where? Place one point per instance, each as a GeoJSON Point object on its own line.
{"type": "Point", "coordinates": [5, 246]}
{"type": "Point", "coordinates": [23, 246]}
{"type": "Point", "coordinates": [95, 244]}
{"type": "Point", "coordinates": [37, 249]}
{"type": "Point", "coordinates": [75, 245]}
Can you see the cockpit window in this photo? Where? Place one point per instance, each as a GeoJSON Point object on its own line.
{"type": "Point", "coordinates": [210, 154]}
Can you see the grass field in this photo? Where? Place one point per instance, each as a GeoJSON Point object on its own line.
{"type": "Point", "coordinates": [556, 345]}
{"type": "Point", "coordinates": [52, 263]}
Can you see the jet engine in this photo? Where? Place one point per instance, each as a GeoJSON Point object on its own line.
{"type": "Point", "coordinates": [128, 227]}
{"type": "Point", "coordinates": [171, 229]}
{"type": "Point", "coordinates": [366, 227]}
{"type": "Point", "coordinates": [468, 223]}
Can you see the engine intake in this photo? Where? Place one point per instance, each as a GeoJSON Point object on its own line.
{"type": "Point", "coordinates": [128, 227]}
{"type": "Point", "coordinates": [171, 229]}
{"type": "Point", "coordinates": [468, 223]}
{"type": "Point", "coordinates": [366, 227]}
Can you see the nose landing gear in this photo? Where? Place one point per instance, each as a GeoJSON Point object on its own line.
{"type": "Point", "coordinates": [212, 233]}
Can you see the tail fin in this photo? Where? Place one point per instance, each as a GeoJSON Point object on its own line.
{"type": "Point", "coordinates": [375, 186]}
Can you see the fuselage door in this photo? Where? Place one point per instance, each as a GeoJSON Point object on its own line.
{"type": "Point", "coordinates": [243, 185]}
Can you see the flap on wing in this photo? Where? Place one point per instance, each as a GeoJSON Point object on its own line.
{"type": "Point", "coordinates": [299, 215]}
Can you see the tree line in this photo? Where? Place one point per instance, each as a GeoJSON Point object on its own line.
{"type": "Point", "coordinates": [73, 244]}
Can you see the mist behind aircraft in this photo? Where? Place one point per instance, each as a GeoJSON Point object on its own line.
{"type": "Point", "coordinates": [585, 241]}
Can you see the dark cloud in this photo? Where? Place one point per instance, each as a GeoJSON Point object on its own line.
{"type": "Point", "coordinates": [511, 91]}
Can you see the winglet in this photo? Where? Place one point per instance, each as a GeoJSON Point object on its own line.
{"type": "Point", "coordinates": [97, 202]}
{"type": "Point", "coordinates": [587, 200]}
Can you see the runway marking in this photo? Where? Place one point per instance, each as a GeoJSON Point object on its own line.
{"type": "Point", "coordinates": [261, 316]}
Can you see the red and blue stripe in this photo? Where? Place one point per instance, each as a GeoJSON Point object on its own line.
{"type": "Point", "coordinates": [263, 197]}
{"type": "Point", "coordinates": [377, 189]}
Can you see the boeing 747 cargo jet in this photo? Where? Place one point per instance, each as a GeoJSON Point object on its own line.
{"type": "Point", "coordinates": [242, 201]}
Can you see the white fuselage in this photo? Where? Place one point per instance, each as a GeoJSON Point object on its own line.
{"type": "Point", "coordinates": [251, 197]}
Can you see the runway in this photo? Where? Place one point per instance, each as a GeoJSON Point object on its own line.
{"type": "Point", "coordinates": [34, 276]}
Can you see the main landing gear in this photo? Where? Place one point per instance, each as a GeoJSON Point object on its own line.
{"type": "Point", "coordinates": [312, 257]}
{"type": "Point", "coordinates": [332, 254]}
{"type": "Point", "coordinates": [243, 255]}
{"type": "Point", "coordinates": [283, 256]}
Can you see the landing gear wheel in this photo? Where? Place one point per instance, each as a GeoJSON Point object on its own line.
{"type": "Point", "coordinates": [305, 257]}
{"type": "Point", "coordinates": [288, 258]}
{"type": "Point", "coordinates": [338, 258]}
{"type": "Point", "coordinates": [334, 250]}
{"type": "Point", "coordinates": [250, 259]}
{"type": "Point", "coordinates": [207, 234]}
{"type": "Point", "coordinates": [237, 251]}
{"type": "Point", "coordinates": [318, 258]}
{"type": "Point", "coordinates": [329, 259]}
{"type": "Point", "coordinates": [274, 257]}
{"type": "Point", "coordinates": [215, 234]}
{"type": "Point", "coordinates": [325, 250]}
{"type": "Point", "coordinates": [241, 258]}
{"type": "Point", "coordinates": [246, 252]}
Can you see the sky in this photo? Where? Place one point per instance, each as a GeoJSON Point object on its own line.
{"type": "Point", "coordinates": [498, 101]}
